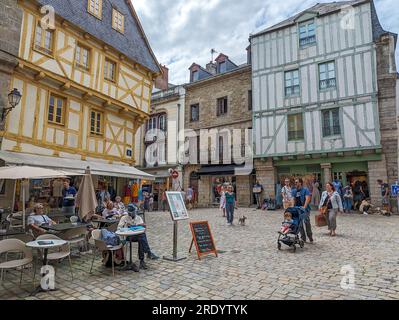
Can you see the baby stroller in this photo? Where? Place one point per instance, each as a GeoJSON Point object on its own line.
{"type": "Point", "coordinates": [291, 239]}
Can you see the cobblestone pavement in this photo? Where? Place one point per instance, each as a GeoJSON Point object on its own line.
{"type": "Point", "coordinates": [249, 267]}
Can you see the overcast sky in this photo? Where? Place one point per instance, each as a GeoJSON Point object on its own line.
{"type": "Point", "coordinates": [184, 31]}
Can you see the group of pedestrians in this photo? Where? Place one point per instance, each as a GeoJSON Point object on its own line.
{"type": "Point", "coordinates": [300, 196]}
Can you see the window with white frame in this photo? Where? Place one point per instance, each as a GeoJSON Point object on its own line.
{"type": "Point", "coordinates": [331, 125]}
{"type": "Point", "coordinates": [118, 20]}
{"type": "Point", "coordinates": [110, 70]}
{"type": "Point", "coordinates": [295, 127]}
{"type": "Point", "coordinates": [82, 57]}
{"type": "Point", "coordinates": [292, 83]}
{"type": "Point", "coordinates": [162, 122]}
{"type": "Point", "coordinates": [307, 33]}
{"type": "Point", "coordinates": [327, 75]}
{"type": "Point", "coordinates": [44, 39]}
{"type": "Point", "coordinates": [95, 8]}
{"type": "Point", "coordinates": [96, 123]}
{"type": "Point", "coordinates": [194, 112]}
{"type": "Point", "coordinates": [195, 76]}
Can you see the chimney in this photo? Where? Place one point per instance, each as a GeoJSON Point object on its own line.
{"type": "Point", "coordinates": [162, 82]}
{"type": "Point", "coordinates": [211, 68]}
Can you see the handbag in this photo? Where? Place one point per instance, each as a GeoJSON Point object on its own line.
{"type": "Point", "coordinates": [257, 190]}
{"type": "Point", "coordinates": [321, 218]}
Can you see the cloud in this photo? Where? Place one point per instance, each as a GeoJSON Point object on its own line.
{"type": "Point", "coordinates": [184, 31]}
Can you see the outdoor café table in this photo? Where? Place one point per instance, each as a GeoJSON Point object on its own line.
{"type": "Point", "coordinates": [9, 233]}
{"type": "Point", "coordinates": [63, 226]}
{"type": "Point", "coordinates": [125, 234]}
{"type": "Point", "coordinates": [50, 244]}
{"type": "Point", "coordinates": [104, 222]}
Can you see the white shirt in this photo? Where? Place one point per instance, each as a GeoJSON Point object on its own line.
{"type": "Point", "coordinates": [107, 213]}
{"type": "Point", "coordinates": [287, 193]}
{"type": "Point", "coordinates": [127, 221]}
{"type": "Point", "coordinates": [38, 220]}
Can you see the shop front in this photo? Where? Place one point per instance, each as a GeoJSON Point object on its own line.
{"type": "Point", "coordinates": [211, 179]}
{"type": "Point", "coordinates": [118, 180]}
{"type": "Point", "coordinates": [164, 181]}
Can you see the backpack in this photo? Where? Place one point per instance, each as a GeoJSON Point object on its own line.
{"type": "Point", "coordinates": [110, 238]}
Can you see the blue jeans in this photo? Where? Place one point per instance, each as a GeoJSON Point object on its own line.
{"type": "Point", "coordinates": [143, 244]}
{"type": "Point", "coordinates": [230, 212]}
{"type": "Point", "coordinates": [347, 204]}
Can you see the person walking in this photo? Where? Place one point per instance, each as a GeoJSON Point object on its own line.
{"type": "Point", "coordinates": [223, 200]}
{"type": "Point", "coordinates": [231, 203]}
{"type": "Point", "coordinates": [302, 199]}
{"type": "Point", "coordinates": [331, 201]}
{"type": "Point", "coordinates": [164, 201]}
{"type": "Point", "coordinates": [286, 192]}
{"type": "Point", "coordinates": [190, 197]}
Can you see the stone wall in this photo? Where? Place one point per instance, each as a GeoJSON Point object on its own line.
{"type": "Point", "coordinates": [387, 79]}
{"type": "Point", "coordinates": [377, 170]}
{"type": "Point", "coordinates": [266, 175]}
{"type": "Point", "coordinates": [244, 190]}
{"type": "Point", "coordinates": [10, 29]}
{"type": "Point", "coordinates": [233, 85]}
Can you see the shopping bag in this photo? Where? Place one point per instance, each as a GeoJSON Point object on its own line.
{"type": "Point", "coordinates": [321, 220]}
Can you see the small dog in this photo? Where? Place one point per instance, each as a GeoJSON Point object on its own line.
{"type": "Point", "coordinates": [241, 221]}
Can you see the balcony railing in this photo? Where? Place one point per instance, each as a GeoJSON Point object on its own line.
{"type": "Point", "coordinates": [328, 83]}
{"type": "Point", "coordinates": [165, 94]}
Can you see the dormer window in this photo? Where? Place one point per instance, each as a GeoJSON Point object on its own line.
{"type": "Point", "coordinates": [118, 21]}
{"type": "Point", "coordinates": [44, 40]}
{"type": "Point", "coordinates": [307, 33]}
{"type": "Point", "coordinates": [195, 76]}
{"type": "Point", "coordinates": [222, 67]}
{"type": "Point", "coordinates": [95, 7]}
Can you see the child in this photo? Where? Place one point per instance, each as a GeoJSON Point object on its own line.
{"type": "Point", "coordinates": [287, 224]}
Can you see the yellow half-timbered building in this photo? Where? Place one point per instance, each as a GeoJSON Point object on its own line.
{"type": "Point", "coordinates": [85, 70]}
{"type": "Point", "coordinates": [83, 96]}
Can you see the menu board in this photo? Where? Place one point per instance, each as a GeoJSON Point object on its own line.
{"type": "Point", "coordinates": [202, 237]}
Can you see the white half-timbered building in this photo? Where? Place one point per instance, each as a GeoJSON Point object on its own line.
{"type": "Point", "coordinates": [316, 96]}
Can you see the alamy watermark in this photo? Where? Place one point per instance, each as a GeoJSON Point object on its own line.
{"type": "Point", "coordinates": [205, 146]}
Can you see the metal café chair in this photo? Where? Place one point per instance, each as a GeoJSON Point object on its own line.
{"type": "Point", "coordinates": [62, 253]}
{"type": "Point", "coordinates": [25, 259]}
{"type": "Point", "coordinates": [101, 246]}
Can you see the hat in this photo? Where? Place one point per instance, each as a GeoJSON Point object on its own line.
{"type": "Point", "coordinates": [131, 208]}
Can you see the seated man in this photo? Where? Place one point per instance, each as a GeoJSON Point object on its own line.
{"type": "Point", "coordinates": [37, 219]}
{"type": "Point", "coordinates": [134, 220]}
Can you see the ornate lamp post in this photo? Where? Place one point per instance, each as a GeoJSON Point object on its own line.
{"type": "Point", "coordinates": [14, 97]}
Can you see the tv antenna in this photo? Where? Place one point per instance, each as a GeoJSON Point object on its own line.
{"type": "Point", "coordinates": [213, 51]}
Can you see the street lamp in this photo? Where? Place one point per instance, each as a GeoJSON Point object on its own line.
{"type": "Point", "coordinates": [14, 97]}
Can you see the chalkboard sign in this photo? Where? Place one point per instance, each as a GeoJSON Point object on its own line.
{"type": "Point", "coordinates": [202, 237]}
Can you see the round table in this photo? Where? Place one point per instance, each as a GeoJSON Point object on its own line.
{"type": "Point", "coordinates": [45, 248]}
{"type": "Point", "coordinates": [129, 233]}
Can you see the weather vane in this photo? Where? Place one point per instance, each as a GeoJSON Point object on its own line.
{"type": "Point", "coordinates": [213, 51]}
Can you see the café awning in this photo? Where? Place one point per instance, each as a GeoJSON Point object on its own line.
{"type": "Point", "coordinates": [74, 165]}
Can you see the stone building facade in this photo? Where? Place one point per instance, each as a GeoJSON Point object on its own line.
{"type": "Point", "coordinates": [219, 100]}
{"type": "Point", "coordinates": [325, 99]}
{"type": "Point", "coordinates": [10, 30]}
